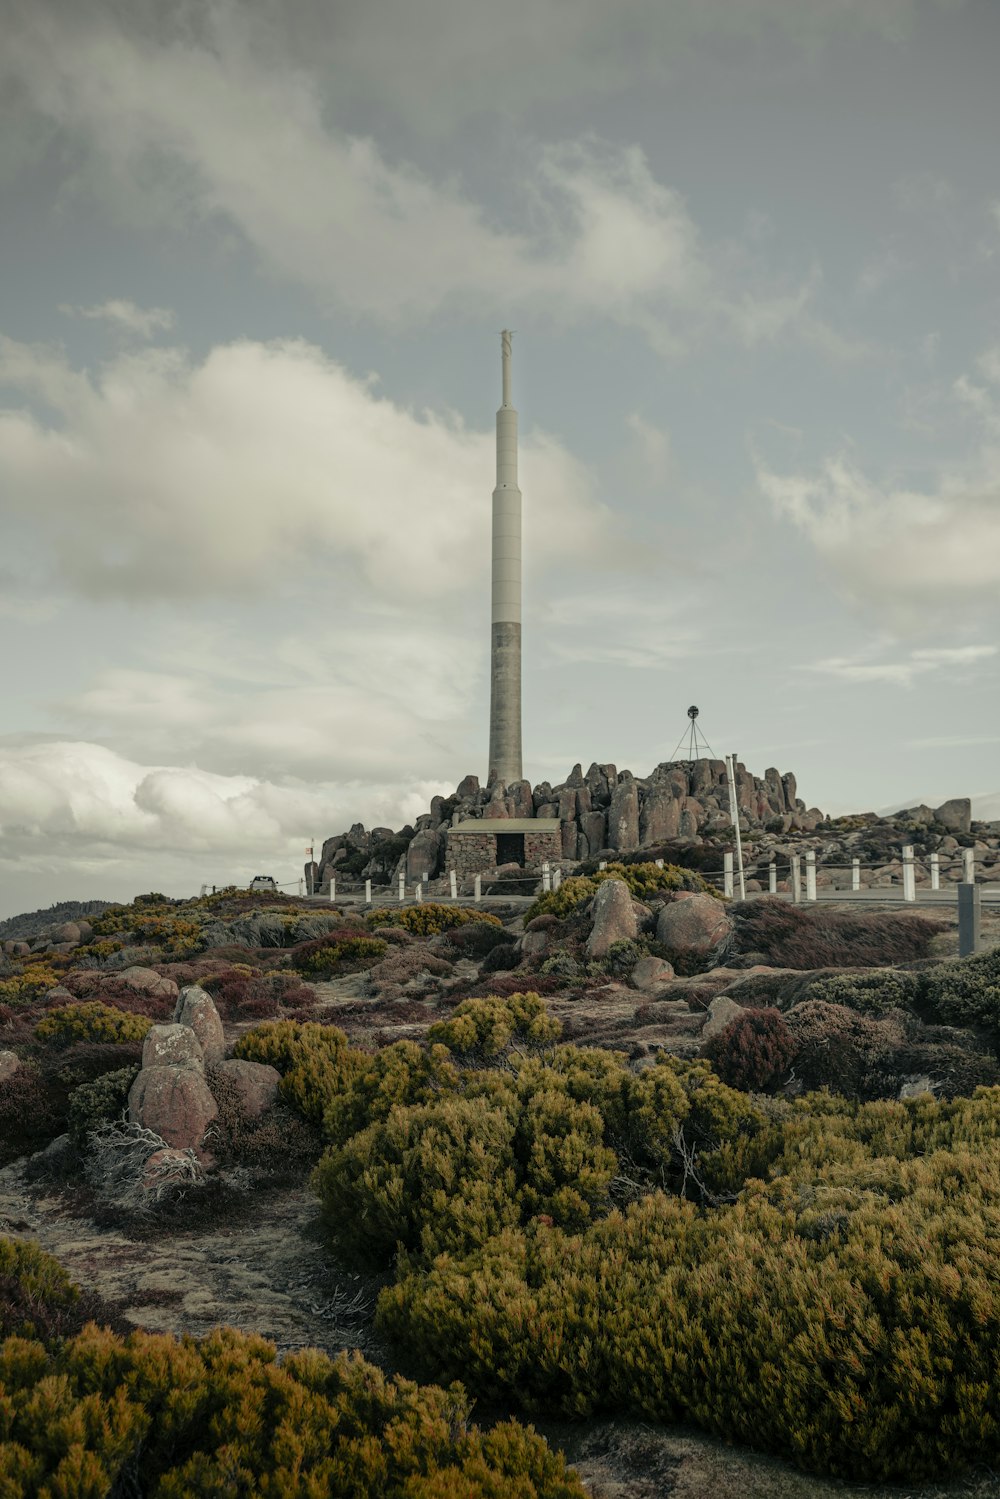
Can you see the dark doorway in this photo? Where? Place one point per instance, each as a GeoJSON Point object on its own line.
{"type": "Point", "coordinates": [510, 848]}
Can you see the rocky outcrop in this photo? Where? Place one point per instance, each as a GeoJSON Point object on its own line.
{"type": "Point", "coordinates": [175, 1103]}
{"type": "Point", "coordinates": [172, 1046]}
{"type": "Point", "coordinates": [255, 1084]}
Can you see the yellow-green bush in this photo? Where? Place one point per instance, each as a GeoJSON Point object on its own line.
{"type": "Point", "coordinates": [323, 958]}
{"type": "Point", "coordinates": [34, 1292]}
{"type": "Point", "coordinates": [180, 1418]}
{"type": "Point", "coordinates": [91, 1021]}
{"type": "Point", "coordinates": [25, 987]}
{"type": "Point", "coordinates": [643, 880]}
{"type": "Point", "coordinates": [430, 917]}
{"type": "Point", "coordinates": [316, 1061]}
{"type": "Point", "coordinates": [483, 1030]}
{"type": "Point", "coordinates": [844, 1313]}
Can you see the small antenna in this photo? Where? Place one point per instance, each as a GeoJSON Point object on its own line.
{"type": "Point", "coordinates": [696, 741]}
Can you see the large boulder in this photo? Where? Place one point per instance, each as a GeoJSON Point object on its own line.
{"type": "Point", "coordinates": [651, 974]}
{"type": "Point", "coordinates": [147, 981]}
{"type": "Point", "coordinates": [660, 819]}
{"type": "Point", "coordinates": [955, 815]}
{"type": "Point", "coordinates": [196, 1009]}
{"type": "Point", "coordinates": [66, 931]}
{"type": "Point", "coordinates": [255, 1083]}
{"type": "Point", "coordinates": [175, 1103]}
{"type": "Point", "coordinates": [692, 926]}
{"type": "Point", "coordinates": [423, 857]}
{"type": "Point", "coordinates": [614, 918]}
{"type": "Point", "coordinates": [172, 1046]}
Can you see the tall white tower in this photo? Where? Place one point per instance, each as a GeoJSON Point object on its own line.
{"type": "Point", "coordinates": [505, 660]}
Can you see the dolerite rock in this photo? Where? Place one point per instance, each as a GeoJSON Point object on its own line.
{"type": "Point", "coordinates": [519, 799]}
{"type": "Point", "coordinates": [172, 1046]}
{"type": "Point", "coordinates": [255, 1083]}
{"type": "Point", "coordinates": [955, 815]}
{"type": "Point", "coordinates": [614, 918]}
{"type": "Point", "coordinates": [67, 931]}
{"type": "Point", "coordinates": [533, 942]}
{"type": "Point", "coordinates": [623, 818]}
{"type": "Point", "coordinates": [594, 829]}
{"type": "Point", "coordinates": [692, 926]}
{"type": "Point", "coordinates": [175, 1103]}
{"type": "Point", "coordinates": [60, 995]}
{"type": "Point", "coordinates": [660, 817]}
{"type": "Point", "coordinates": [148, 981]}
{"type": "Point", "coordinates": [468, 789]}
{"type": "Point", "coordinates": [721, 1012]}
{"type": "Point", "coordinates": [9, 1063]}
{"type": "Point", "coordinates": [571, 841]}
{"type": "Point", "coordinates": [196, 1009]}
{"type": "Point", "coordinates": [650, 974]}
{"type": "Point", "coordinates": [424, 855]}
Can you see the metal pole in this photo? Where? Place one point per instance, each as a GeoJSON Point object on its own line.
{"type": "Point", "coordinates": [909, 874]}
{"type": "Point", "coordinates": [810, 874]}
{"type": "Point", "coordinates": [935, 871]}
{"type": "Point", "coordinates": [734, 813]}
{"type": "Point", "coordinates": [796, 881]}
{"type": "Point", "coordinates": [727, 875]}
{"type": "Point", "coordinates": [969, 914]}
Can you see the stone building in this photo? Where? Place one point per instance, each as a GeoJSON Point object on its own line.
{"type": "Point", "coordinates": [481, 845]}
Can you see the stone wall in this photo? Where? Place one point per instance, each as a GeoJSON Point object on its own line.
{"type": "Point", "coordinates": [476, 853]}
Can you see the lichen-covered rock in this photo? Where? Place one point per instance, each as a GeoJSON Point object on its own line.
{"type": "Point", "coordinates": [721, 1012]}
{"type": "Point", "coordinates": [9, 1063]}
{"type": "Point", "coordinates": [692, 925]}
{"type": "Point", "coordinates": [174, 1102]}
{"type": "Point", "coordinates": [148, 981]}
{"type": "Point", "coordinates": [614, 918]}
{"type": "Point", "coordinates": [623, 817]}
{"type": "Point", "coordinates": [172, 1046]}
{"type": "Point", "coordinates": [256, 1084]}
{"type": "Point", "coordinates": [650, 974]}
{"type": "Point", "coordinates": [196, 1009]}
{"type": "Point", "coordinates": [955, 815]}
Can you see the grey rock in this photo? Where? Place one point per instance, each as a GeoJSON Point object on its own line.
{"type": "Point", "coordinates": [9, 1063]}
{"type": "Point", "coordinates": [172, 1046]}
{"type": "Point", "coordinates": [623, 818]}
{"type": "Point", "coordinates": [613, 916]}
{"type": "Point", "coordinates": [721, 1012]}
{"type": "Point", "coordinates": [650, 974]}
{"type": "Point", "coordinates": [693, 925]}
{"type": "Point", "coordinates": [425, 854]}
{"type": "Point", "coordinates": [196, 1009]}
{"type": "Point", "coordinates": [174, 1102]}
{"type": "Point", "coordinates": [955, 815]}
{"type": "Point", "coordinates": [256, 1084]}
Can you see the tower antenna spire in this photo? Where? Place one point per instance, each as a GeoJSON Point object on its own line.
{"type": "Point", "coordinates": [505, 640]}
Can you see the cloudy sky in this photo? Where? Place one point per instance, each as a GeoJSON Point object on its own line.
{"type": "Point", "coordinates": [254, 258]}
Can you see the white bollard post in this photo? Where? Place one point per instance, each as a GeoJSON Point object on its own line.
{"type": "Point", "coordinates": [368, 892]}
{"type": "Point", "coordinates": [659, 863]}
{"type": "Point", "coordinates": [556, 878]}
{"type": "Point", "coordinates": [909, 873]}
{"type": "Point", "coordinates": [203, 889]}
{"type": "Point", "coordinates": [603, 864]}
{"type": "Point", "coordinates": [418, 891]}
{"type": "Point", "coordinates": [810, 874]}
{"type": "Point", "coordinates": [478, 888]}
{"type": "Point", "coordinates": [453, 882]}
{"type": "Point", "coordinates": [727, 875]}
{"type": "Point", "coordinates": [425, 877]}
{"type": "Point", "coordinates": [935, 871]}
{"type": "Point", "coordinates": [333, 889]}
{"type": "Point", "coordinates": [402, 886]}
{"type": "Point", "coordinates": [546, 877]}
{"type": "Point", "coordinates": [796, 881]}
{"type": "Point", "coordinates": [968, 866]}
{"type": "Point", "coordinates": [855, 874]}
{"type": "Point", "coordinates": [301, 883]}
{"type": "Point", "coordinates": [772, 878]}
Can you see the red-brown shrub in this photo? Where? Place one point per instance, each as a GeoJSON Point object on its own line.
{"type": "Point", "coordinates": [32, 1112]}
{"type": "Point", "coordinates": [243, 995]}
{"type": "Point", "coordinates": [793, 937]}
{"type": "Point", "coordinates": [837, 1048]}
{"type": "Point", "coordinates": [754, 1050]}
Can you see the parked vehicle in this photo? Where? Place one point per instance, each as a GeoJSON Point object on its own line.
{"type": "Point", "coordinates": [264, 882]}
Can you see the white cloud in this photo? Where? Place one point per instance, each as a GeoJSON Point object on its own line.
{"type": "Point", "coordinates": [98, 805]}
{"type": "Point", "coordinates": [142, 322]}
{"type": "Point", "coordinates": [903, 672]}
{"type": "Point", "coordinates": [163, 477]}
{"type": "Point", "coordinates": [216, 128]}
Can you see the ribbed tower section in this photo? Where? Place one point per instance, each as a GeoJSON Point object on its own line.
{"type": "Point", "coordinates": [505, 660]}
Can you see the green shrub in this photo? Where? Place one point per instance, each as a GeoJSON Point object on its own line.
{"type": "Point", "coordinates": [836, 1047]}
{"type": "Point", "coordinates": [316, 1061]}
{"type": "Point", "coordinates": [221, 1416]}
{"type": "Point", "coordinates": [22, 989]}
{"type": "Point", "coordinates": [966, 992]}
{"type": "Point", "coordinates": [483, 1031]}
{"type": "Point", "coordinates": [99, 1102]}
{"type": "Point", "coordinates": [91, 1021]}
{"type": "Point", "coordinates": [620, 958]}
{"type": "Point", "coordinates": [35, 1295]}
{"type": "Point", "coordinates": [643, 880]}
{"type": "Point", "coordinates": [428, 918]}
{"type": "Point", "coordinates": [327, 956]}
{"type": "Point", "coordinates": [867, 993]}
